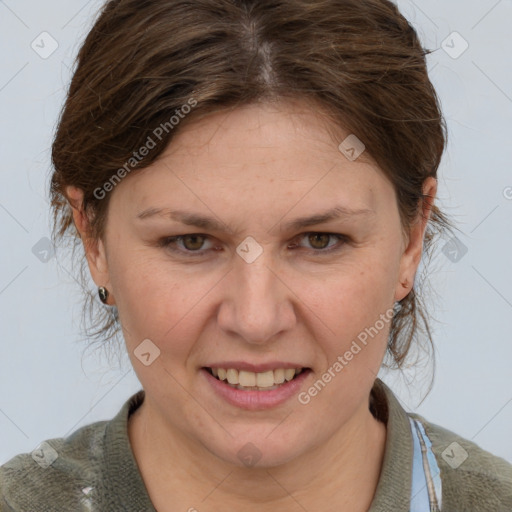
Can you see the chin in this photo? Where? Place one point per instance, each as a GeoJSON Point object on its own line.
{"type": "Point", "coordinates": [258, 451]}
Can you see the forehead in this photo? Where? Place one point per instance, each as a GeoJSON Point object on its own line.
{"type": "Point", "coordinates": [262, 154]}
{"type": "Point", "coordinates": [260, 131]}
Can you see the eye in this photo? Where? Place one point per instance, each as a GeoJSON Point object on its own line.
{"type": "Point", "coordinates": [319, 241]}
{"type": "Point", "coordinates": [191, 243]}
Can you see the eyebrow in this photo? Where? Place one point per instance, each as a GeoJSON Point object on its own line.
{"type": "Point", "coordinates": [210, 223]}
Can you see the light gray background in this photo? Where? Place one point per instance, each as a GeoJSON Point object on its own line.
{"type": "Point", "coordinates": [48, 388]}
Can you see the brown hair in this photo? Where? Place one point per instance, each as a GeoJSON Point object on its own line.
{"type": "Point", "coordinates": [358, 61]}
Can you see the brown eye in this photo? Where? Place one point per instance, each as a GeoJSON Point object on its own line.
{"type": "Point", "coordinates": [193, 242]}
{"type": "Point", "coordinates": [186, 245]}
{"type": "Point", "coordinates": [318, 240]}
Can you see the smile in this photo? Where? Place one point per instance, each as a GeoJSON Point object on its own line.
{"type": "Point", "coordinates": [251, 390]}
{"type": "Point", "coordinates": [252, 381]}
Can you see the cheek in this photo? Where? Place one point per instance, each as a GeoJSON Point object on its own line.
{"type": "Point", "coordinates": [355, 295]}
{"type": "Point", "coordinates": [159, 300]}
{"type": "Point", "coordinates": [353, 310]}
{"type": "Point", "coordinates": [169, 302]}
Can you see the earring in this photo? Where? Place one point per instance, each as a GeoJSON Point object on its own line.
{"type": "Point", "coordinates": [103, 293]}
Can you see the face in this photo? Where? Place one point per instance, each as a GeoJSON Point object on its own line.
{"type": "Point", "coordinates": [252, 289]}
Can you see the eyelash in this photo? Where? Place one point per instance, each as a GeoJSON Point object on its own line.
{"type": "Point", "coordinates": [168, 243]}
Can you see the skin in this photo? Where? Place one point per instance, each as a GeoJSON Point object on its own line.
{"type": "Point", "coordinates": [254, 169]}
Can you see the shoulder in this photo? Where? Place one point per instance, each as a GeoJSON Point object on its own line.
{"type": "Point", "coordinates": [472, 478]}
{"type": "Point", "coordinates": [58, 472]}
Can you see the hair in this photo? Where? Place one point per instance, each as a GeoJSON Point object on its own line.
{"type": "Point", "coordinates": [359, 62]}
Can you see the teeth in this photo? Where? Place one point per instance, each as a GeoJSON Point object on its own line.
{"type": "Point", "coordinates": [279, 376]}
{"type": "Point", "coordinates": [233, 376]}
{"type": "Point", "coordinates": [265, 379]}
{"type": "Point", "coordinates": [289, 373]}
{"type": "Point", "coordinates": [246, 379]}
{"type": "Point", "coordinates": [251, 380]}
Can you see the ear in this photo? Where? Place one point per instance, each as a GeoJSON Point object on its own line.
{"type": "Point", "coordinates": [95, 251]}
{"type": "Point", "coordinates": [411, 256]}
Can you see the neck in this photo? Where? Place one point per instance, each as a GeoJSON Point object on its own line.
{"type": "Point", "coordinates": [342, 472]}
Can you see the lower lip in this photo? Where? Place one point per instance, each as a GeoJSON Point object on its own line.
{"type": "Point", "coordinates": [256, 400]}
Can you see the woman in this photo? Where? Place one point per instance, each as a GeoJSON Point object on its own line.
{"type": "Point", "coordinates": [254, 186]}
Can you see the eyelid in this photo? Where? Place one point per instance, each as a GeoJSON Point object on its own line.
{"type": "Point", "coordinates": [342, 239]}
{"type": "Point", "coordinates": [167, 243]}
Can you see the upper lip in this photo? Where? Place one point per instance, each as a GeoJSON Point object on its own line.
{"type": "Point", "coordinates": [256, 368]}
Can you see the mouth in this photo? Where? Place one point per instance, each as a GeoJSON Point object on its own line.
{"type": "Point", "coordinates": [255, 381]}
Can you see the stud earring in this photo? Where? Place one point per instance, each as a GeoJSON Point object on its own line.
{"type": "Point", "coordinates": [103, 293]}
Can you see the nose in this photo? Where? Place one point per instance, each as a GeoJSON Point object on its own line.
{"type": "Point", "coordinates": [257, 304]}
